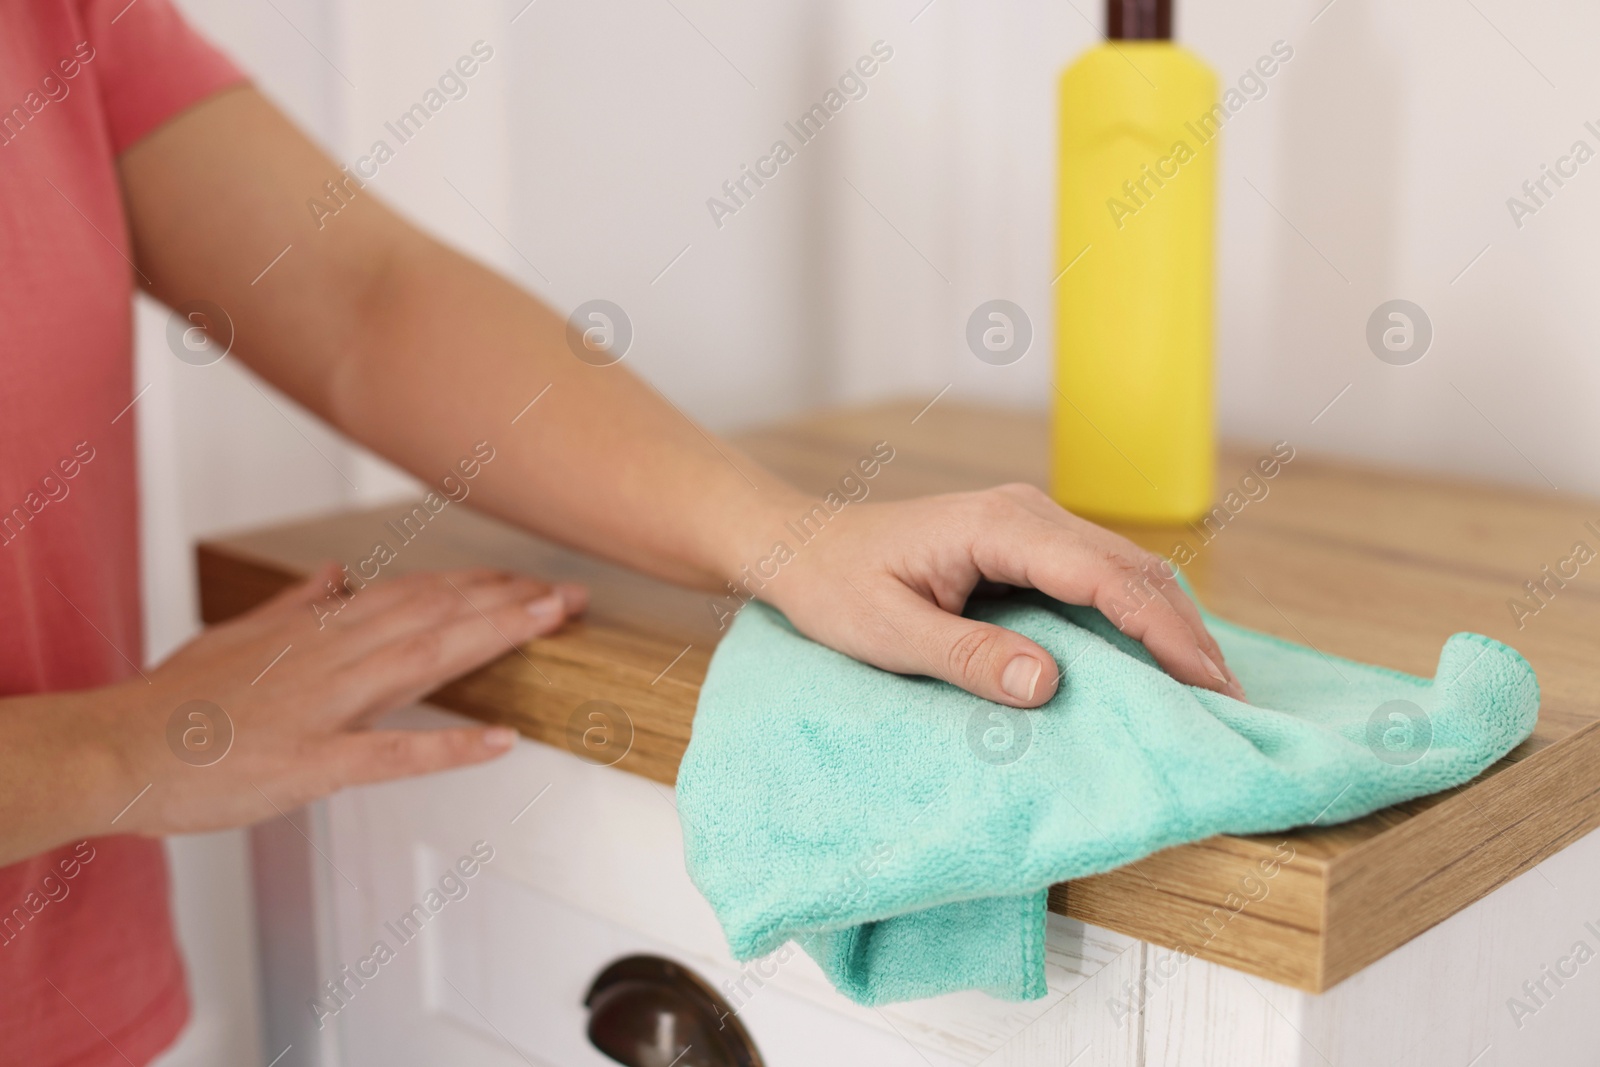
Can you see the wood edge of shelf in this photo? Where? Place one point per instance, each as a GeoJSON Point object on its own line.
{"type": "Point", "coordinates": [1376, 895]}
{"type": "Point", "coordinates": [1146, 900]}
{"type": "Point", "coordinates": [1275, 951]}
{"type": "Point", "coordinates": [245, 580]}
{"type": "Point", "coordinates": [234, 580]}
{"type": "Point", "coordinates": [1399, 874]}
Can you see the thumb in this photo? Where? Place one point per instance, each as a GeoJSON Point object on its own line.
{"type": "Point", "coordinates": [989, 661]}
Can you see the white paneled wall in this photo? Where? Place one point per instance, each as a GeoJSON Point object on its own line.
{"type": "Point", "coordinates": [1376, 166]}
{"type": "Point", "coordinates": [580, 162]}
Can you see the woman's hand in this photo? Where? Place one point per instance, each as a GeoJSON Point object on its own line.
{"type": "Point", "coordinates": [886, 583]}
{"type": "Point", "coordinates": [299, 688]}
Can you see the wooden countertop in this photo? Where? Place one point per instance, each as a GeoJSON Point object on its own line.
{"type": "Point", "coordinates": [1372, 564]}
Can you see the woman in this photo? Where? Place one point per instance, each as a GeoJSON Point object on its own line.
{"type": "Point", "coordinates": [133, 154]}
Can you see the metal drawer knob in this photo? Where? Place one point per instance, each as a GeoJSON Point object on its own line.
{"type": "Point", "coordinates": [647, 1011]}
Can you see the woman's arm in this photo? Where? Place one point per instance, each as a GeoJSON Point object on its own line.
{"type": "Point", "coordinates": [418, 352]}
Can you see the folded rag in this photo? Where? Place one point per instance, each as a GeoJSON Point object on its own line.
{"type": "Point", "coordinates": [905, 832]}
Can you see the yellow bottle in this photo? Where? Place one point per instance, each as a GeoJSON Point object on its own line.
{"type": "Point", "coordinates": [1132, 426]}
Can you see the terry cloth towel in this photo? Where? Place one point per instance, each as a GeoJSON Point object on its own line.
{"type": "Point", "coordinates": [905, 832]}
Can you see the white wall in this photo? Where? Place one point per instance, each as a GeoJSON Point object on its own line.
{"type": "Point", "coordinates": [582, 159]}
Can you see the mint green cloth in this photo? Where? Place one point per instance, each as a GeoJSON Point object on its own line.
{"type": "Point", "coordinates": [905, 832]}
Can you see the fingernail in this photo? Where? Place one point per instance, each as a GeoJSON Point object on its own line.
{"type": "Point", "coordinates": [1212, 669]}
{"type": "Point", "coordinates": [1021, 678]}
{"type": "Point", "coordinates": [499, 737]}
{"type": "Point", "coordinates": [574, 596]}
{"type": "Point", "coordinates": [547, 608]}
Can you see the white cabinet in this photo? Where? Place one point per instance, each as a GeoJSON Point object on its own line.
{"type": "Point", "coordinates": [572, 866]}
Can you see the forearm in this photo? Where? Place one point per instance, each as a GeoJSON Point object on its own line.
{"type": "Point", "coordinates": [420, 353]}
{"type": "Point", "coordinates": [454, 353]}
{"type": "Point", "coordinates": [60, 779]}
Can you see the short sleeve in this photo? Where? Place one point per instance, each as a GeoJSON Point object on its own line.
{"type": "Point", "coordinates": [150, 64]}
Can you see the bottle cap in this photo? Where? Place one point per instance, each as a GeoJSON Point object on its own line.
{"type": "Point", "coordinates": [1139, 20]}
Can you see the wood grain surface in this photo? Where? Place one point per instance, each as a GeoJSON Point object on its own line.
{"type": "Point", "coordinates": [1373, 564]}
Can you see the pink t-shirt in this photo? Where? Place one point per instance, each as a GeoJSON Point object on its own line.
{"type": "Point", "coordinates": [89, 971]}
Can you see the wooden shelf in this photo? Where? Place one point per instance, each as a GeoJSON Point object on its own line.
{"type": "Point", "coordinates": [1376, 565]}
